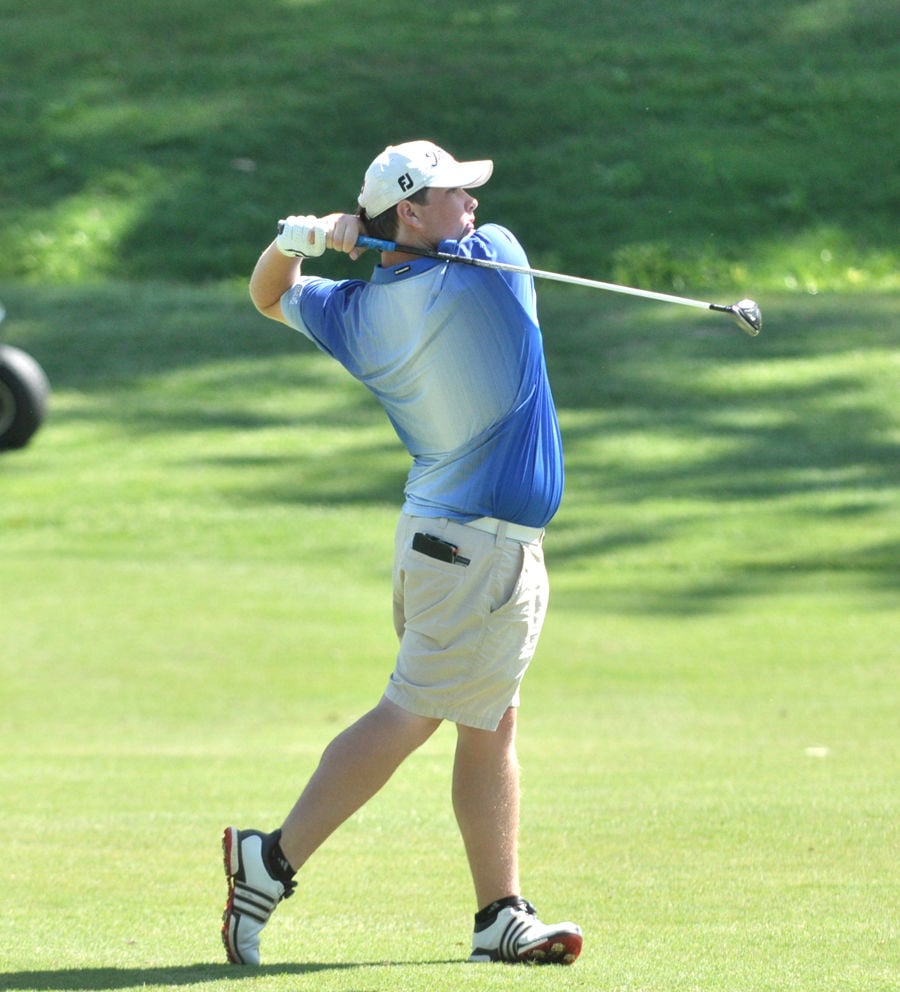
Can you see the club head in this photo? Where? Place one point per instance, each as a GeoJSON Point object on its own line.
{"type": "Point", "coordinates": [748, 316]}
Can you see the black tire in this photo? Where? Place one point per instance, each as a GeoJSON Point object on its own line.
{"type": "Point", "coordinates": [23, 397]}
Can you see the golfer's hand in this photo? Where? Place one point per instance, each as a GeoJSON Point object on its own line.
{"type": "Point", "coordinates": [343, 230]}
{"type": "Point", "coordinates": [301, 237]}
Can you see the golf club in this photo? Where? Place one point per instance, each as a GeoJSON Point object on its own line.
{"type": "Point", "coordinates": [745, 312]}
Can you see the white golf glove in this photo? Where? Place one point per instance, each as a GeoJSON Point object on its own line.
{"type": "Point", "coordinates": [301, 237]}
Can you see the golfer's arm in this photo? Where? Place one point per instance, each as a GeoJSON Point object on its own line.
{"type": "Point", "coordinates": [274, 275]}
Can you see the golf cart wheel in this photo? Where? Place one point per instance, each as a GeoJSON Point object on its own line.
{"type": "Point", "coordinates": [23, 397]}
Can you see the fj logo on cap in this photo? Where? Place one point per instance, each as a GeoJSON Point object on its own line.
{"type": "Point", "coordinates": [405, 182]}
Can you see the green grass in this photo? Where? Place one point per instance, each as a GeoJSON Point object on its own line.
{"type": "Point", "coordinates": [197, 551]}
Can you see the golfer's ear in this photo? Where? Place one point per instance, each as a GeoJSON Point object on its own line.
{"type": "Point", "coordinates": [407, 214]}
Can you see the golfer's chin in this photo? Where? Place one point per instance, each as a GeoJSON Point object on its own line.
{"type": "Point", "coordinates": [462, 231]}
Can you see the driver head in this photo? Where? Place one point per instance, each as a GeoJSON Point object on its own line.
{"type": "Point", "coordinates": [748, 316]}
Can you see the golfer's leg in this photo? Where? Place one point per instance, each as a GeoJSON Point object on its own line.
{"type": "Point", "coordinates": [486, 803]}
{"type": "Point", "coordinates": [354, 766]}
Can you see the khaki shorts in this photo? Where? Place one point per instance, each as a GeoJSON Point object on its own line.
{"type": "Point", "coordinates": [467, 631]}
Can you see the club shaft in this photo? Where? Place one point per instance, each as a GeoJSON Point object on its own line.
{"type": "Point", "coordinates": [378, 244]}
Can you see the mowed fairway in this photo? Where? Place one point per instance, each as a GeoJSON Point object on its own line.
{"type": "Point", "coordinates": [195, 597]}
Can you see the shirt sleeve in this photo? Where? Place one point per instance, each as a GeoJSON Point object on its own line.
{"type": "Point", "coordinates": [315, 307]}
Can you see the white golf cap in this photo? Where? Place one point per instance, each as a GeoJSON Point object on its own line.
{"type": "Point", "coordinates": [401, 170]}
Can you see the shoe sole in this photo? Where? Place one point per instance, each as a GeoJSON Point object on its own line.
{"type": "Point", "coordinates": [232, 861]}
{"type": "Point", "coordinates": [561, 948]}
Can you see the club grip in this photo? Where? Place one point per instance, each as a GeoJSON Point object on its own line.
{"type": "Point", "coordinates": [375, 243]}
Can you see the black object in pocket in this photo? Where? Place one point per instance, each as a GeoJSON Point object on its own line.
{"type": "Point", "coordinates": [435, 547]}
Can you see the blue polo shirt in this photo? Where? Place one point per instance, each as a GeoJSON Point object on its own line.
{"type": "Point", "coordinates": [454, 354]}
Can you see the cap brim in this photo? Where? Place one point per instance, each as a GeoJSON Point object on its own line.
{"type": "Point", "coordinates": [465, 175]}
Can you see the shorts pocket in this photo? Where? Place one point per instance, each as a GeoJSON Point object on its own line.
{"type": "Point", "coordinates": [432, 593]}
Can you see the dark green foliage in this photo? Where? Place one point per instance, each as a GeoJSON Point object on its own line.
{"type": "Point", "coordinates": [678, 143]}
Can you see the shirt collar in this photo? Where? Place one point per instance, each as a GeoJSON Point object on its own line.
{"type": "Point", "coordinates": [404, 270]}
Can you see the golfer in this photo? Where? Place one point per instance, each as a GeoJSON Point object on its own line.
{"type": "Point", "coordinates": [454, 354]}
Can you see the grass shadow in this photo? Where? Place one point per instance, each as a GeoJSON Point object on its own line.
{"type": "Point", "coordinates": [800, 415]}
{"type": "Point", "coordinates": [178, 976]}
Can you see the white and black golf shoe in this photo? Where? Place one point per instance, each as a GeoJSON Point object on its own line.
{"type": "Point", "coordinates": [513, 933]}
{"type": "Point", "coordinates": [253, 893]}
